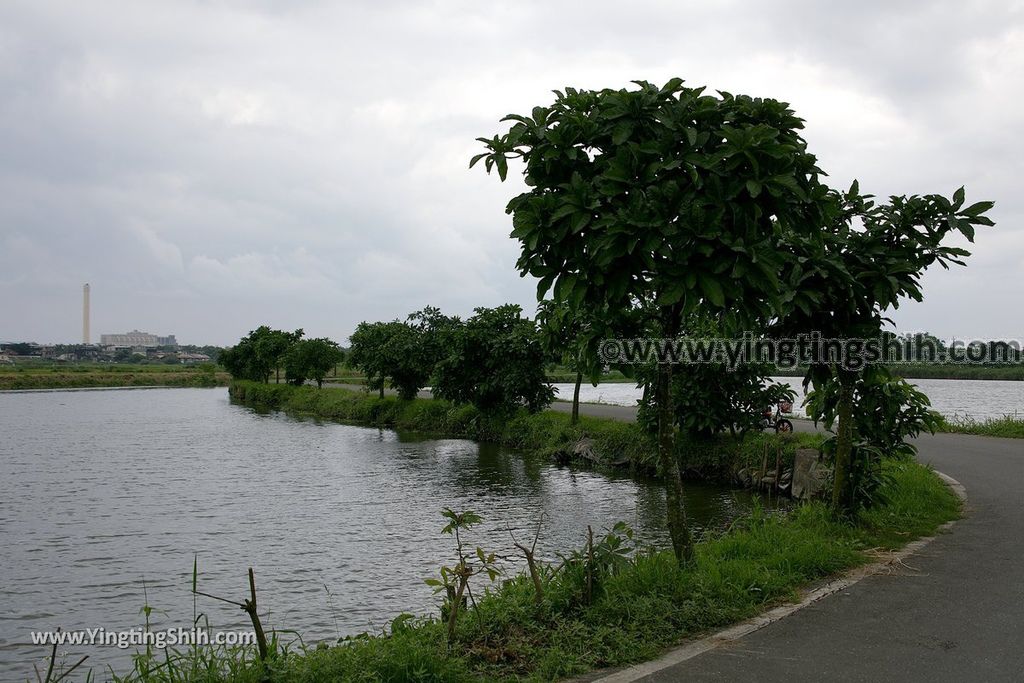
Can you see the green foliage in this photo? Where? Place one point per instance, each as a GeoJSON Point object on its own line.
{"type": "Point", "coordinates": [259, 354]}
{"type": "Point", "coordinates": [865, 260]}
{"type": "Point", "coordinates": [889, 411]}
{"type": "Point", "coordinates": [311, 359]}
{"type": "Point", "coordinates": [710, 399]}
{"type": "Point", "coordinates": [402, 354]}
{"type": "Point", "coordinates": [109, 375]}
{"type": "Point", "coordinates": [495, 362]}
{"type": "Point", "coordinates": [658, 194]}
{"type": "Point", "coordinates": [365, 352]}
{"type": "Point", "coordinates": [572, 337]}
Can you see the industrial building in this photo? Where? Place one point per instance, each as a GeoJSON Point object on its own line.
{"type": "Point", "coordinates": [135, 338]}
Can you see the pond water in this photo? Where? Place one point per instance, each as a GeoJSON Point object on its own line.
{"type": "Point", "coordinates": [977, 398]}
{"type": "Point", "coordinates": [105, 497]}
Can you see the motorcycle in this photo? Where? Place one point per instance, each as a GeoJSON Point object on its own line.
{"type": "Point", "coordinates": [773, 419]}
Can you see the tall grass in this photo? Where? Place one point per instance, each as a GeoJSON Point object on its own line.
{"type": "Point", "coordinates": [1008, 426]}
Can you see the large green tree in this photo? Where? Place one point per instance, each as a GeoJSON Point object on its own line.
{"type": "Point", "coordinates": [495, 362]}
{"type": "Point", "coordinates": [402, 354]}
{"type": "Point", "coordinates": [663, 198]}
{"type": "Point", "coordinates": [259, 354]}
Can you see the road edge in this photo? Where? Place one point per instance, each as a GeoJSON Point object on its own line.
{"type": "Point", "coordinates": [733, 633]}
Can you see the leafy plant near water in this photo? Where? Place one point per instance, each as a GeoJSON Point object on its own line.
{"type": "Point", "coordinates": [890, 411]}
{"type": "Point", "coordinates": [455, 581]}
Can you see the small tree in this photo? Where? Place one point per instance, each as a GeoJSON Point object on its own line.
{"type": "Point", "coordinates": [273, 345]}
{"type": "Point", "coordinates": [311, 359]}
{"type": "Point", "coordinates": [865, 261]}
{"type": "Point", "coordinates": [572, 338]}
{"type": "Point", "coordinates": [495, 362]}
{"type": "Point", "coordinates": [366, 353]}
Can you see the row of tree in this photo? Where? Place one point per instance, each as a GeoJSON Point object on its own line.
{"type": "Point", "coordinates": [494, 360]}
{"type": "Point", "coordinates": [264, 352]}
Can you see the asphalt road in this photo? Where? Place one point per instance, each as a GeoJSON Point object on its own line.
{"type": "Point", "coordinates": [955, 612]}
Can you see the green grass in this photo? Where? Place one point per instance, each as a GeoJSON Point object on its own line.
{"type": "Point", "coordinates": [1008, 426]}
{"type": "Point", "coordinates": [638, 608]}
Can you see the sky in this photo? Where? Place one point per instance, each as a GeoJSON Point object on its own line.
{"type": "Point", "coordinates": [209, 167]}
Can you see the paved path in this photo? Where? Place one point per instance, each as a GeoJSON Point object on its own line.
{"type": "Point", "coordinates": [955, 613]}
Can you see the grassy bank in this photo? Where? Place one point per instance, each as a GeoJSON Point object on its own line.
{"type": "Point", "coordinates": [1007, 426]}
{"type": "Point", "coordinates": [610, 441]}
{"type": "Point", "coordinates": [599, 608]}
{"type": "Point", "coordinates": [97, 376]}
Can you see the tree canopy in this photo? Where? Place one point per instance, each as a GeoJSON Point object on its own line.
{"type": "Point", "coordinates": [495, 362]}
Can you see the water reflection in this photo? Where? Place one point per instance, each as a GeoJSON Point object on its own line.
{"type": "Point", "coordinates": [106, 495]}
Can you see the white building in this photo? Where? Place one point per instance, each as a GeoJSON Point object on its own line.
{"type": "Point", "coordinates": [136, 338]}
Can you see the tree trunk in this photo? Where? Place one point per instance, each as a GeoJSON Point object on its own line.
{"type": "Point", "coordinates": [277, 375]}
{"type": "Point", "coordinates": [382, 390]}
{"type": "Point", "coordinates": [682, 543]}
{"type": "Point", "coordinates": [576, 398]}
{"type": "Point", "coordinates": [844, 446]}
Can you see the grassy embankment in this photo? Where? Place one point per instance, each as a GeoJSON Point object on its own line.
{"type": "Point", "coordinates": [1007, 426]}
{"type": "Point", "coordinates": [97, 375]}
{"type": "Point", "coordinates": [593, 611]}
{"type": "Point", "coordinates": [548, 432]}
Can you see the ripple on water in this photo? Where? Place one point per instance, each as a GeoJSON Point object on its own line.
{"type": "Point", "coordinates": [108, 495]}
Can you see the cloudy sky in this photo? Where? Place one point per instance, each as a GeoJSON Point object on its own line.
{"type": "Point", "coordinates": [212, 166]}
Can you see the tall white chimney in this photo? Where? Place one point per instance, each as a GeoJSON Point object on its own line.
{"type": "Point", "coordinates": [85, 313]}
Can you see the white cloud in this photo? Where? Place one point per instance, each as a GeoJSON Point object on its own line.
{"type": "Point", "coordinates": [305, 163]}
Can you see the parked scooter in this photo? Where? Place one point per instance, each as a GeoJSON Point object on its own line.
{"type": "Point", "coordinates": [773, 419]}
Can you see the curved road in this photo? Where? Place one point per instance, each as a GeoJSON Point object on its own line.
{"type": "Point", "coordinates": [954, 613]}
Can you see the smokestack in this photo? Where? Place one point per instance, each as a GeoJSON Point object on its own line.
{"type": "Point", "coordinates": [85, 313]}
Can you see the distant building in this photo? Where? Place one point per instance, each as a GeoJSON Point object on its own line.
{"type": "Point", "coordinates": [136, 339]}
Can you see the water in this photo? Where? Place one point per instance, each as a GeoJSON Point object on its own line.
{"type": "Point", "coordinates": [979, 399]}
{"type": "Point", "coordinates": [106, 495]}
